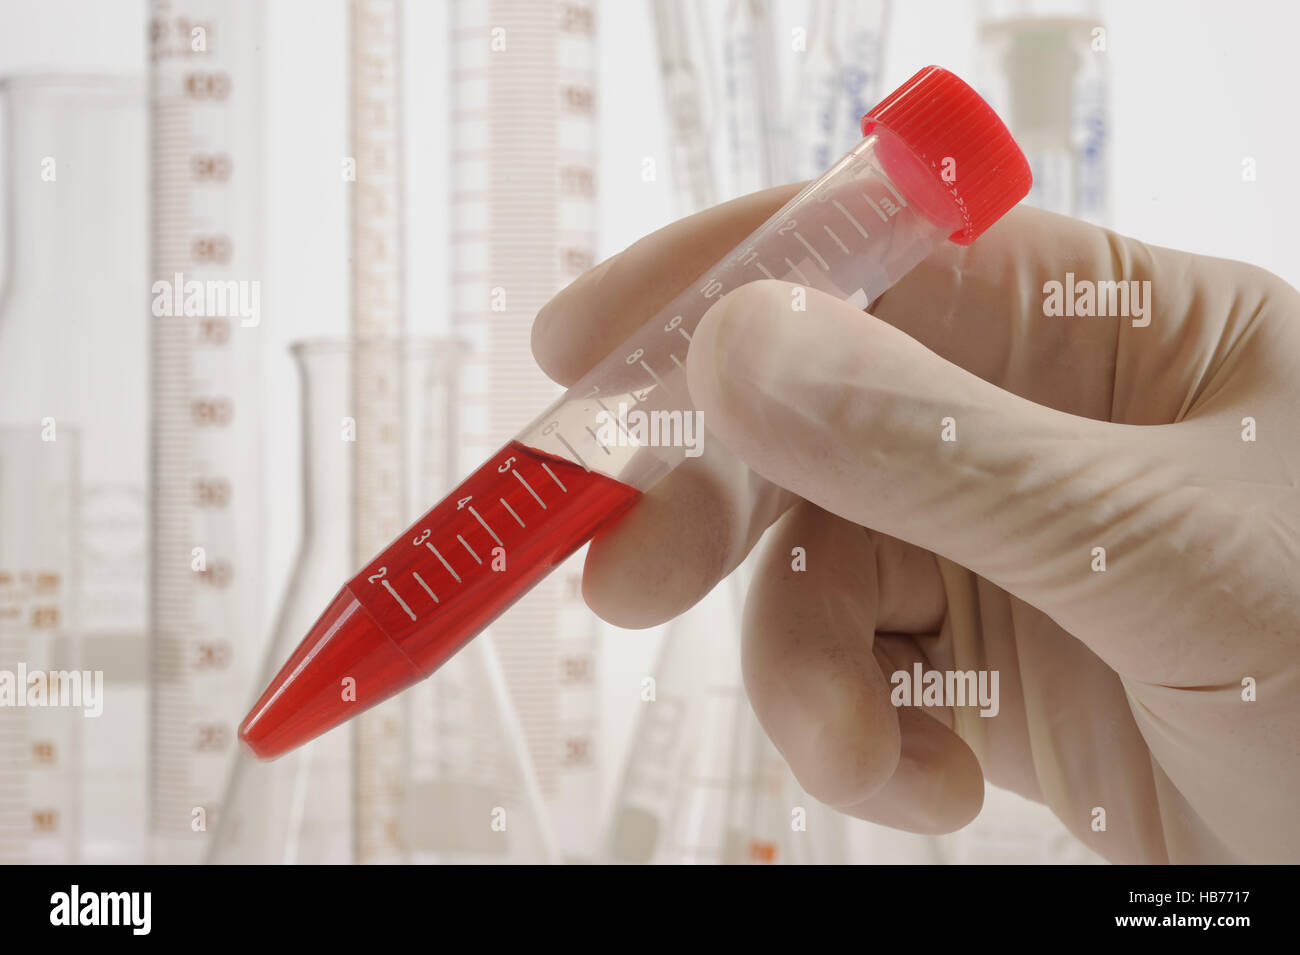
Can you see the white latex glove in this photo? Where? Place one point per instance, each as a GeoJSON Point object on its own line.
{"type": "Point", "coordinates": [1120, 690]}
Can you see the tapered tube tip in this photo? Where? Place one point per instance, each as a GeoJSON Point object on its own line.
{"type": "Point", "coordinates": [344, 665]}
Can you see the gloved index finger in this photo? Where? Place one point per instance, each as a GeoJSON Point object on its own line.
{"type": "Point", "coordinates": [605, 306]}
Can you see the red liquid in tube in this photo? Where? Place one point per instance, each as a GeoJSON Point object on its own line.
{"type": "Point", "coordinates": [434, 588]}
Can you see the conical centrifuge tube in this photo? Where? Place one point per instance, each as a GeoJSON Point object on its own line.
{"type": "Point", "coordinates": [935, 163]}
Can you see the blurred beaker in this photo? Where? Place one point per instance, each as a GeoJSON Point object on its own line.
{"type": "Point", "coordinates": [702, 783]}
{"type": "Point", "coordinates": [40, 737]}
{"type": "Point", "coordinates": [378, 310]}
{"type": "Point", "coordinates": [73, 348]}
{"type": "Point", "coordinates": [523, 215]}
{"type": "Point", "coordinates": [466, 792]}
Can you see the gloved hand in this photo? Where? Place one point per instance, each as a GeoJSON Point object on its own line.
{"type": "Point", "coordinates": [1153, 705]}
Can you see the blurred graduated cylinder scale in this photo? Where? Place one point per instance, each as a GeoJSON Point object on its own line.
{"type": "Point", "coordinates": [41, 741]}
{"type": "Point", "coordinates": [206, 140]}
{"type": "Point", "coordinates": [523, 214]}
{"type": "Point", "coordinates": [378, 312]}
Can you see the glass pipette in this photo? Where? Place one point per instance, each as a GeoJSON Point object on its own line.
{"type": "Point", "coordinates": [935, 163]}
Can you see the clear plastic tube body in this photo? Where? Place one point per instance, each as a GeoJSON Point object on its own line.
{"type": "Point", "coordinates": [851, 233]}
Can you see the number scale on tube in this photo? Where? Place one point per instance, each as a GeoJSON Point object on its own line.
{"type": "Point", "coordinates": [206, 162]}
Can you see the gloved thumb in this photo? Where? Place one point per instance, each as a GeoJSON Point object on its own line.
{"type": "Point", "coordinates": [867, 423]}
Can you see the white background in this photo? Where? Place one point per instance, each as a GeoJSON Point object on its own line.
{"type": "Point", "coordinates": [1196, 87]}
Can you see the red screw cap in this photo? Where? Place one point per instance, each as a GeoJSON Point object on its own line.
{"type": "Point", "coordinates": [959, 138]}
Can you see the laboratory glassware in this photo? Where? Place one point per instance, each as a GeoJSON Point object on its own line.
{"type": "Point", "coordinates": [935, 163]}
{"type": "Point", "coordinates": [686, 75]}
{"type": "Point", "coordinates": [465, 789]}
{"type": "Point", "coordinates": [523, 225]}
{"type": "Point", "coordinates": [1041, 67]}
{"type": "Point", "coordinates": [73, 351]}
{"type": "Point", "coordinates": [658, 773]}
{"type": "Point", "coordinates": [861, 27]}
{"type": "Point", "coordinates": [40, 784]}
{"type": "Point", "coordinates": [1014, 830]}
{"type": "Point", "coordinates": [1044, 67]}
{"type": "Point", "coordinates": [751, 85]}
{"type": "Point", "coordinates": [838, 80]}
{"type": "Point", "coordinates": [207, 521]}
{"type": "Point", "coordinates": [761, 787]}
{"type": "Point", "coordinates": [775, 821]}
{"type": "Point", "coordinates": [702, 783]}
{"type": "Point", "coordinates": [378, 310]}
{"type": "Point", "coordinates": [814, 112]}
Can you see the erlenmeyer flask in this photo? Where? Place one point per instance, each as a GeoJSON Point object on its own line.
{"type": "Point", "coordinates": [466, 791]}
{"type": "Point", "coordinates": [73, 350]}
